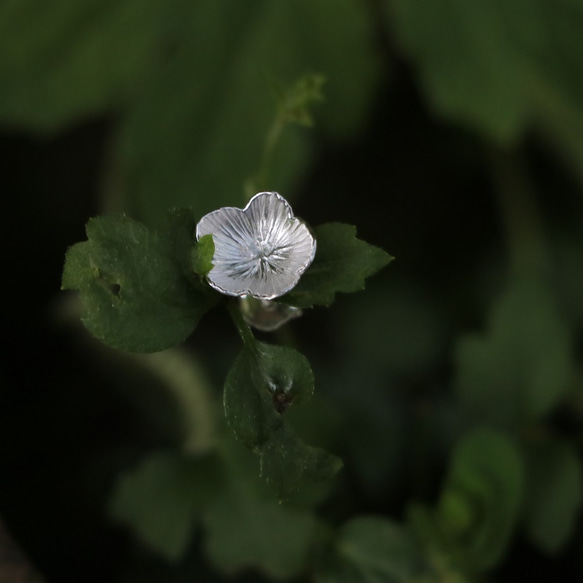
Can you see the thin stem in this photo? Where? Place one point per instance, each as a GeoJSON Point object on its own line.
{"type": "Point", "coordinates": [516, 198]}
{"type": "Point", "coordinates": [259, 181]}
{"type": "Point", "coordinates": [242, 326]}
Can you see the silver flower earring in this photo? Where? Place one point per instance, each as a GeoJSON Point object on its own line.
{"type": "Point", "coordinates": [260, 251]}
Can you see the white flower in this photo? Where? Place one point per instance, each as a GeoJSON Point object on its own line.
{"type": "Point", "coordinates": [260, 251]}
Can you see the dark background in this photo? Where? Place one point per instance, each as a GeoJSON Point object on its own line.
{"type": "Point", "coordinates": [146, 108]}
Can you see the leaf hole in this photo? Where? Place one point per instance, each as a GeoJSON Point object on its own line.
{"type": "Point", "coordinates": [113, 288]}
{"type": "Point", "coordinates": [281, 401]}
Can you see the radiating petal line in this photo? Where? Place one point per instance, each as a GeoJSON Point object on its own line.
{"type": "Point", "coordinates": [261, 250]}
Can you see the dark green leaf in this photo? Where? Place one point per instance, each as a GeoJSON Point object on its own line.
{"type": "Point", "coordinates": [371, 549]}
{"type": "Point", "coordinates": [160, 499]}
{"type": "Point", "coordinates": [521, 367]}
{"type": "Point", "coordinates": [195, 144]}
{"type": "Point", "coordinates": [69, 59]}
{"type": "Point", "coordinates": [135, 292]}
{"type": "Point", "coordinates": [166, 497]}
{"type": "Point", "coordinates": [244, 530]}
{"type": "Point", "coordinates": [499, 66]}
{"type": "Point", "coordinates": [342, 264]}
{"type": "Point", "coordinates": [178, 231]}
{"type": "Point", "coordinates": [245, 527]}
{"type": "Point", "coordinates": [482, 497]}
{"type": "Point", "coordinates": [264, 381]}
{"type": "Point", "coordinates": [287, 462]}
{"type": "Point", "coordinates": [554, 494]}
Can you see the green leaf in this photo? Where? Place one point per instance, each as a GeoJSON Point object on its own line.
{"type": "Point", "coordinates": [287, 462]}
{"type": "Point", "coordinates": [245, 527]}
{"type": "Point", "coordinates": [555, 484]}
{"type": "Point", "coordinates": [342, 264]}
{"type": "Point", "coordinates": [244, 531]}
{"type": "Point", "coordinates": [161, 498]}
{"type": "Point", "coordinates": [73, 59]}
{"type": "Point", "coordinates": [202, 255]}
{"type": "Point", "coordinates": [294, 104]}
{"type": "Point", "coordinates": [371, 549]}
{"type": "Point", "coordinates": [264, 381]}
{"type": "Point", "coordinates": [168, 495]}
{"type": "Point", "coordinates": [498, 66]}
{"type": "Point", "coordinates": [194, 144]}
{"type": "Point", "coordinates": [522, 366]}
{"type": "Point", "coordinates": [482, 496]}
{"type": "Point", "coordinates": [261, 384]}
{"type": "Point", "coordinates": [133, 285]}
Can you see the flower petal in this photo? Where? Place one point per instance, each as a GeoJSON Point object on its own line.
{"type": "Point", "coordinates": [261, 250]}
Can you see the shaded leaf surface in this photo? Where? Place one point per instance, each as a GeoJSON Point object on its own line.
{"type": "Point", "coordinates": [342, 264]}
{"type": "Point", "coordinates": [482, 496]}
{"type": "Point", "coordinates": [371, 549]}
{"type": "Point", "coordinates": [244, 530]}
{"type": "Point", "coordinates": [520, 368]}
{"type": "Point", "coordinates": [264, 381]}
{"type": "Point", "coordinates": [69, 59]}
{"type": "Point", "coordinates": [169, 494]}
{"type": "Point", "coordinates": [554, 494]}
{"type": "Point", "coordinates": [135, 291]}
{"type": "Point", "coordinates": [199, 142]}
{"type": "Point", "coordinates": [497, 66]}
{"type": "Point", "coordinates": [161, 498]}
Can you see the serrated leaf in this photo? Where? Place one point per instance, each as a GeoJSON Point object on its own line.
{"type": "Point", "coordinates": [264, 381]}
{"type": "Point", "coordinates": [555, 485]}
{"type": "Point", "coordinates": [135, 292]}
{"type": "Point", "coordinates": [371, 549]}
{"type": "Point", "coordinates": [161, 498]}
{"type": "Point", "coordinates": [342, 264]}
{"type": "Point", "coordinates": [482, 497]}
{"type": "Point", "coordinates": [522, 366]}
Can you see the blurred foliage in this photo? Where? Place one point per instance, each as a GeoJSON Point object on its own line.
{"type": "Point", "coordinates": [451, 134]}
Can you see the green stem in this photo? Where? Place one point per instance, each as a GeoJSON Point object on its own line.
{"type": "Point", "coordinates": [259, 182]}
{"type": "Point", "coordinates": [242, 326]}
{"type": "Point", "coordinates": [516, 198]}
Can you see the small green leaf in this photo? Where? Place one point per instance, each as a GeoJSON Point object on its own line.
{"type": "Point", "coordinates": [371, 549]}
{"type": "Point", "coordinates": [264, 381]}
{"type": "Point", "coordinates": [554, 494]}
{"type": "Point", "coordinates": [133, 285]}
{"type": "Point", "coordinates": [342, 264]}
{"type": "Point", "coordinates": [294, 104]}
{"type": "Point", "coordinates": [202, 255]}
{"type": "Point", "coordinates": [160, 499]}
{"type": "Point", "coordinates": [482, 496]}
{"type": "Point", "coordinates": [521, 367]}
